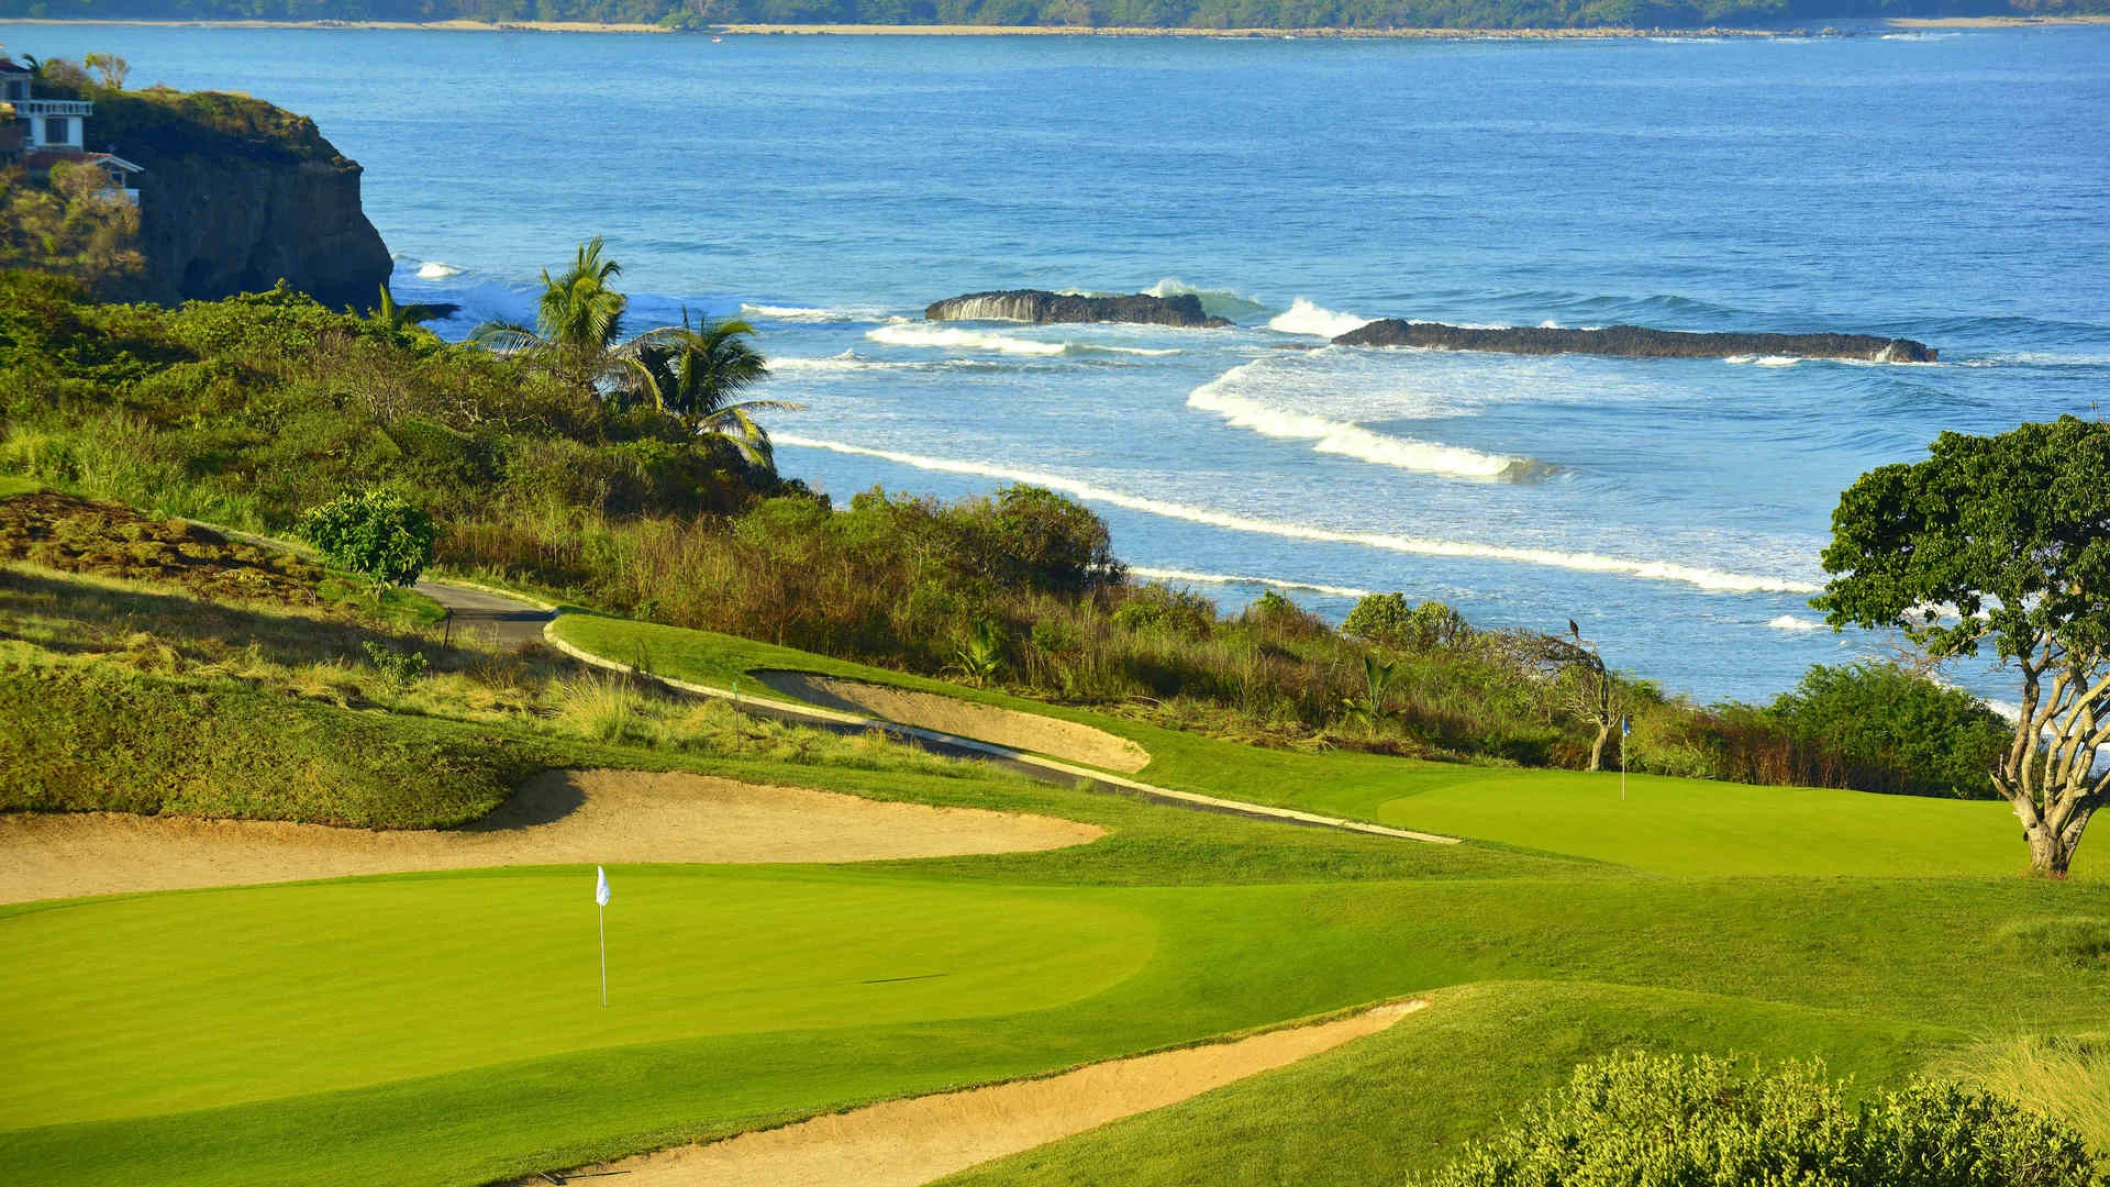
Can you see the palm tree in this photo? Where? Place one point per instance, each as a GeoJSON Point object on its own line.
{"type": "Point", "coordinates": [577, 322]}
{"type": "Point", "coordinates": [693, 370]}
{"type": "Point", "coordinates": [392, 316]}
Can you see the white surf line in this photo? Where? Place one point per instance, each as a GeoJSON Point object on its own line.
{"type": "Point", "coordinates": [906, 1143]}
{"type": "Point", "coordinates": [1583, 562]}
{"type": "Point", "coordinates": [1339, 591]}
{"type": "Point", "coordinates": [1151, 791]}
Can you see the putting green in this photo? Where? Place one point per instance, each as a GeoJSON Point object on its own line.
{"type": "Point", "coordinates": [1704, 828]}
{"type": "Point", "coordinates": [160, 1003]}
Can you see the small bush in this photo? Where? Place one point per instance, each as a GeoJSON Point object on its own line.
{"type": "Point", "coordinates": [375, 534]}
{"type": "Point", "coordinates": [1175, 612]}
{"type": "Point", "coordinates": [400, 668]}
{"type": "Point", "coordinates": [1643, 1120]}
{"type": "Point", "coordinates": [1386, 619]}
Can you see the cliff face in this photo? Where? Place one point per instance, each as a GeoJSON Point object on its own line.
{"type": "Point", "coordinates": [1637, 342]}
{"type": "Point", "coordinates": [238, 194]}
{"type": "Point", "coordinates": [1039, 305]}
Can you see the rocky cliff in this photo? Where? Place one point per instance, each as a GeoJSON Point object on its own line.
{"type": "Point", "coordinates": [1637, 342]}
{"type": "Point", "coordinates": [1039, 305]}
{"type": "Point", "coordinates": [238, 194]}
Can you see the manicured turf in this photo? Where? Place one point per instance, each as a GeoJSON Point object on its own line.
{"type": "Point", "coordinates": [1669, 826]}
{"type": "Point", "coordinates": [445, 1029]}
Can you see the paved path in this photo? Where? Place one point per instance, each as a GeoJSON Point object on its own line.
{"type": "Point", "coordinates": [505, 620]}
{"type": "Point", "coordinates": [520, 620]}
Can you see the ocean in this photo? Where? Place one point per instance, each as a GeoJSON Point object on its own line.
{"type": "Point", "coordinates": [1951, 187]}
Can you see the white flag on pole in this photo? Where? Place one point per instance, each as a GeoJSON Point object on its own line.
{"type": "Point", "coordinates": [600, 887]}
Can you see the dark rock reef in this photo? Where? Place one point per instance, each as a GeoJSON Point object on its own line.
{"type": "Point", "coordinates": [1039, 305]}
{"type": "Point", "coordinates": [1637, 342]}
{"type": "Point", "coordinates": [237, 195]}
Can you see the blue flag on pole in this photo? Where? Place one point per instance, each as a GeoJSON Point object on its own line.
{"type": "Point", "coordinates": [1626, 726]}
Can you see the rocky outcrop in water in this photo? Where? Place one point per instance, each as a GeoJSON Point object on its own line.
{"type": "Point", "coordinates": [1637, 342]}
{"type": "Point", "coordinates": [237, 195]}
{"type": "Point", "coordinates": [1039, 305]}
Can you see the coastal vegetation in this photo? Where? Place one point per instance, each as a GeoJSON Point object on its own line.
{"type": "Point", "coordinates": [1199, 14]}
{"type": "Point", "coordinates": [629, 475]}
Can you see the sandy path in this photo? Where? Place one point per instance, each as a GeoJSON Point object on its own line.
{"type": "Point", "coordinates": [1031, 732]}
{"type": "Point", "coordinates": [908, 1142]}
{"type": "Point", "coordinates": [557, 817]}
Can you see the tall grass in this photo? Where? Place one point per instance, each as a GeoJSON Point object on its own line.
{"type": "Point", "coordinates": [2066, 1076]}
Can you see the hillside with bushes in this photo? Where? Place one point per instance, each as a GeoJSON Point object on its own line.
{"type": "Point", "coordinates": [251, 411]}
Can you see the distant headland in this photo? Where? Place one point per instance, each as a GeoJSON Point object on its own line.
{"type": "Point", "coordinates": [1393, 19]}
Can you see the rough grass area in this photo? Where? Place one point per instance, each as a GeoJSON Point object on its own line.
{"type": "Point", "coordinates": [2067, 1076]}
{"type": "Point", "coordinates": [1406, 1099]}
{"type": "Point", "coordinates": [76, 535]}
{"type": "Point", "coordinates": [98, 739]}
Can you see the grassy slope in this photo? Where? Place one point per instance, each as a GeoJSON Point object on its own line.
{"type": "Point", "coordinates": [1406, 1099]}
{"type": "Point", "coordinates": [1675, 826]}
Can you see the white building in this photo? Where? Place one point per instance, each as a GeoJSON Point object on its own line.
{"type": "Point", "coordinates": [46, 132]}
{"type": "Point", "coordinates": [56, 124]}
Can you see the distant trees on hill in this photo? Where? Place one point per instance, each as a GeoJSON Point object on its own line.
{"type": "Point", "coordinates": [1219, 14]}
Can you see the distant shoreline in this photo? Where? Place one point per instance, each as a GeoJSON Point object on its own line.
{"type": "Point", "coordinates": [1603, 33]}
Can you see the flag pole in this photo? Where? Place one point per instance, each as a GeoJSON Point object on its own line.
{"type": "Point", "coordinates": [602, 908]}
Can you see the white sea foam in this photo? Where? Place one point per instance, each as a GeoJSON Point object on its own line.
{"type": "Point", "coordinates": [1788, 622]}
{"type": "Point", "coordinates": [1919, 36]}
{"type": "Point", "coordinates": [801, 313]}
{"type": "Point", "coordinates": [1583, 562]}
{"type": "Point", "coordinates": [1352, 440]}
{"type": "Point", "coordinates": [1215, 302]}
{"type": "Point", "coordinates": [1762, 360]}
{"type": "Point", "coordinates": [1338, 591]}
{"type": "Point", "coordinates": [434, 270]}
{"type": "Point", "coordinates": [908, 333]}
{"type": "Point", "coordinates": [1303, 317]}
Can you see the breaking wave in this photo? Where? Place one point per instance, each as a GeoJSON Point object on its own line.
{"type": "Point", "coordinates": [800, 313]}
{"type": "Point", "coordinates": [955, 338]}
{"type": "Point", "coordinates": [1215, 302]}
{"type": "Point", "coordinates": [1788, 622]}
{"type": "Point", "coordinates": [1338, 591]}
{"type": "Point", "coordinates": [1764, 360]}
{"type": "Point", "coordinates": [434, 270]}
{"type": "Point", "coordinates": [1352, 440]}
{"type": "Point", "coordinates": [1583, 562]}
{"type": "Point", "coordinates": [1303, 317]}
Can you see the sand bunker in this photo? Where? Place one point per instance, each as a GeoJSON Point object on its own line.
{"type": "Point", "coordinates": [907, 1142]}
{"type": "Point", "coordinates": [950, 715]}
{"type": "Point", "coordinates": [557, 817]}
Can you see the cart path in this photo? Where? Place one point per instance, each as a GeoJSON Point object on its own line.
{"type": "Point", "coordinates": [515, 613]}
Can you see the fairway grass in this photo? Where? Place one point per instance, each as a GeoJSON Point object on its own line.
{"type": "Point", "coordinates": [1664, 825]}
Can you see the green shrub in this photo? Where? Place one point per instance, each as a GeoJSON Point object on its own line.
{"type": "Point", "coordinates": [1386, 619]}
{"type": "Point", "coordinates": [400, 668]}
{"type": "Point", "coordinates": [1175, 612]}
{"type": "Point", "coordinates": [1640, 1120]}
{"type": "Point", "coordinates": [375, 534]}
{"type": "Point", "coordinates": [1896, 730]}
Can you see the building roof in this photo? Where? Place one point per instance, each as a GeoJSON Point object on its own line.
{"type": "Point", "coordinates": [10, 66]}
{"type": "Point", "coordinates": [45, 158]}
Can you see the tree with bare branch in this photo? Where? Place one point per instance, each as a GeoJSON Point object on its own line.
{"type": "Point", "coordinates": [2001, 542]}
{"type": "Point", "coordinates": [1582, 687]}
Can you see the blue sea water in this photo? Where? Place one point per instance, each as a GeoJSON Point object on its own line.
{"type": "Point", "coordinates": [1949, 187]}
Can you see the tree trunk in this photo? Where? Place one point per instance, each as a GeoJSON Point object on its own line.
{"type": "Point", "coordinates": [2050, 853]}
{"type": "Point", "coordinates": [1604, 732]}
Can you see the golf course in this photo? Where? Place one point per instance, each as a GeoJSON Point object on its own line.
{"type": "Point", "coordinates": [445, 1027]}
